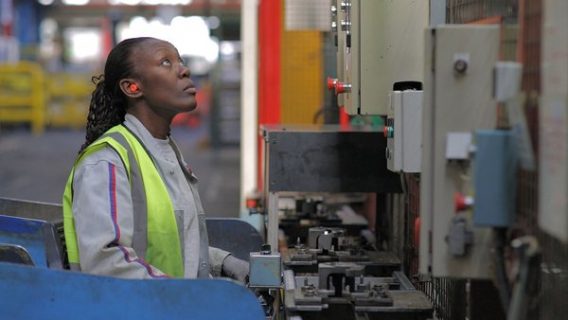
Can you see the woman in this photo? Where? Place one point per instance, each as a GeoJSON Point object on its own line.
{"type": "Point", "coordinates": [131, 208]}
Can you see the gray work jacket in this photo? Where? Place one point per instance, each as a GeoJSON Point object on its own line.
{"type": "Point", "coordinates": [101, 182]}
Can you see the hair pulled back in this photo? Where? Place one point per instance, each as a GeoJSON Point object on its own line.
{"type": "Point", "coordinates": [108, 103]}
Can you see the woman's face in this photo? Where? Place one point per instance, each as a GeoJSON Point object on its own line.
{"type": "Point", "coordinates": [165, 82]}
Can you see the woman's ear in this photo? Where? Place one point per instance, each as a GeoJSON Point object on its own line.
{"type": "Point", "coordinates": [130, 88]}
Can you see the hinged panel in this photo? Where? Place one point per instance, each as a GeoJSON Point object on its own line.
{"type": "Point", "coordinates": [457, 98]}
{"type": "Point", "coordinates": [387, 41]}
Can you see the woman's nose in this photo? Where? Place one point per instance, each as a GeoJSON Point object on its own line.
{"type": "Point", "coordinates": [184, 71]}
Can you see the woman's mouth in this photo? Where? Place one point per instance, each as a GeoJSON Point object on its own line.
{"type": "Point", "coordinates": [190, 89]}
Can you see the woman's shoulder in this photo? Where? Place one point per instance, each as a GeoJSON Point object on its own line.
{"type": "Point", "coordinates": [103, 154]}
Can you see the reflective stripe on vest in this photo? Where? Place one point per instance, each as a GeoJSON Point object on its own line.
{"type": "Point", "coordinates": [155, 235]}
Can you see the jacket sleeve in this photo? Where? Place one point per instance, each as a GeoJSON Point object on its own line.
{"type": "Point", "coordinates": [216, 258]}
{"type": "Point", "coordinates": [103, 213]}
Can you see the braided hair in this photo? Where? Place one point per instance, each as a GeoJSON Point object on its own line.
{"type": "Point", "coordinates": [108, 103]}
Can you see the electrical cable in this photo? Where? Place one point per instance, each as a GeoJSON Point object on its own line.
{"type": "Point", "coordinates": [503, 286]}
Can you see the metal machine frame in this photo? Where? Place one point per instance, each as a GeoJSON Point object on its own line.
{"type": "Point", "coordinates": [32, 231]}
{"type": "Point", "coordinates": [322, 159]}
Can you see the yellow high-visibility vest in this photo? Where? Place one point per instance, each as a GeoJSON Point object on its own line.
{"type": "Point", "coordinates": [156, 238]}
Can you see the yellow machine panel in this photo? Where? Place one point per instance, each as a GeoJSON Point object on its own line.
{"type": "Point", "coordinates": [69, 97]}
{"type": "Point", "coordinates": [22, 97]}
{"type": "Point", "coordinates": [302, 85]}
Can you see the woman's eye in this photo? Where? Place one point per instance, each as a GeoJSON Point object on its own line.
{"type": "Point", "coordinates": [166, 62]}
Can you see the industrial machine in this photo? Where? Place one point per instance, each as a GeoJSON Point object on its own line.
{"type": "Point", "coordinates": [436, 88]}
{"type": "Point", "coordinates": [332, 267]}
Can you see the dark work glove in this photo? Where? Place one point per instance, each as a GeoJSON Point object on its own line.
{"type": "Point", "coordinates": [236, 268]}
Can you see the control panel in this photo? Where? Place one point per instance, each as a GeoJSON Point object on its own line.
{"type": "Point", "coordinates": [458, 99]}
{"type": "Point", "coordinates": [380, 42]}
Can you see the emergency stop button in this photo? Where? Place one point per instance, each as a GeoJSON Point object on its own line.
{"type": "Point", "coordinates": [331, 83]}
{"type": "Point", "coordinates": [341, 87]}
{"type": "Point", "coordinates": [462, 202]}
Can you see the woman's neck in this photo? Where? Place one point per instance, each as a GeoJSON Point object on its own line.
{"type": "Point", "coordinates": [158, 126]}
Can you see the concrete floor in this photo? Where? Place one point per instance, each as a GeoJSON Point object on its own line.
{"type": "Point", "coordinates": [36, 167]}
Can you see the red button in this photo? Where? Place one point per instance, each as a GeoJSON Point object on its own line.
{"type": "Point", "coordinates": [341, 87]}
{"type": "Point", "coordinates": [331, 82]}
{"type": "Point", "coordinates": [462, 202]}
